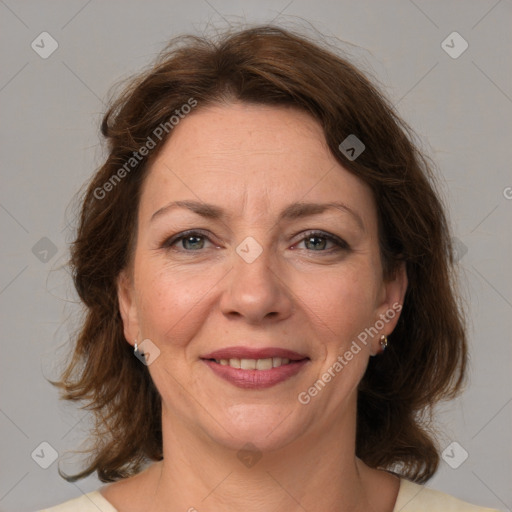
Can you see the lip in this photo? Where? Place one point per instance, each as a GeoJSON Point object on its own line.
{"type": "Point", "coordinates": [255, 379]}
{"type": "Point", "coordinates": [254, 353]}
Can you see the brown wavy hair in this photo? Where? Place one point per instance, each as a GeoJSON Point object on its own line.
{"type": "Point", "coordinates": [427, 354]}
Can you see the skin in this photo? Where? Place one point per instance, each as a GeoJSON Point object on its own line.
{"type": "Point", "coordinates": [314, 298]}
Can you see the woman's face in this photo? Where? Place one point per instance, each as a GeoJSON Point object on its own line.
{"type": "Point", "coordinates": [257, 272]}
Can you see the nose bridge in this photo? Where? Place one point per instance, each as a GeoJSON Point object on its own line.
{"type": "Point", "coordinates": [255, 289]}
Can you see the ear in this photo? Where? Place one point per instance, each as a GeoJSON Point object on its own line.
{"type": "Point", "coordinates": [390, 305]}
{"type": "Point", "coordinates": [128, 306]}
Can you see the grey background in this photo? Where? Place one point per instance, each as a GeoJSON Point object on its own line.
{"type": "Point", "coordinates": [460, 108]}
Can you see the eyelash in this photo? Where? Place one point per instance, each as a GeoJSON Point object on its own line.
{"type": "Point", "coordinates": [340, 244]}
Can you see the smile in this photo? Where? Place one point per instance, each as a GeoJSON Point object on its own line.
{"type": "Point", "coordinates": [255, 373]}
{"type": "Point", "coordinates": [254, 364]}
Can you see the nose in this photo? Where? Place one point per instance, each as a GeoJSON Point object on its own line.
{"type": "Point", "coordinates": [256, 291]}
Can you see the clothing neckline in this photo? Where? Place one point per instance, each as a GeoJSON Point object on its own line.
{"type": "Point", "coordinates": [406, 491]}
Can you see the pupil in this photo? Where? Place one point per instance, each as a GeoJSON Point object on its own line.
{"type": "Point", "coordinates": [317, 245]}
{"type": "Point", "coordinates": [191, 239]}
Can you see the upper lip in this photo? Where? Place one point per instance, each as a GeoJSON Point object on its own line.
{"type": "Point", "coordinates": [254, 353]}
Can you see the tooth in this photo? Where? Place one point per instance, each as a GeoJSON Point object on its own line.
{"type": "Point", "coordinates": [235, 363]}
{"type": "Point", "coordinates": [264, 364]}
{"type": "Point", "coordinates": [248, 364]}
{"type": "Point", "coordinates": [276, 361]}
{"type": "Point", "coordinates": [224, 362]}
{"type": "Point", "coordinates": [285, 360]}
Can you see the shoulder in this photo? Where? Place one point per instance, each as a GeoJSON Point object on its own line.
{"type": "Point", "coordinates": [91, 502]}
{"type": "Point", "coordinates": [413, 497]}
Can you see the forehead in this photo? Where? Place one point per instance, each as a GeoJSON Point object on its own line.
{"type": "Point", "coordinates": [250, 156]}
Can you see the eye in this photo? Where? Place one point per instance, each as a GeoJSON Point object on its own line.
{"type": "Point", "coordinates": [190, 241]}
{"type": "Point", "coordinates": [314, 241]}
{"type": "Point", "coordinates": [317, 241]}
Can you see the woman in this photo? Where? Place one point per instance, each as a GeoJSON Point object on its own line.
{"type": "Point", "coordinates": [267, 271]}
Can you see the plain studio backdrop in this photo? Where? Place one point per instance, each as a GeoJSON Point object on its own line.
{"type": "Point", "coordinates": [444, 64]}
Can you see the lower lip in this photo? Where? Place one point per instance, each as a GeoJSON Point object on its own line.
{"type": "Point", "coordinates": [256, 379]}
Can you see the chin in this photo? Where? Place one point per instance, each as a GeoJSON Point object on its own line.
{"type": "Point", "coordinates": [268, 427]}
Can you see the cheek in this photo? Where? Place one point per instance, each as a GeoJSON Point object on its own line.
{"type": "Point", "coordinates": [341, 302]}
{"type": "Point", "coordinates": [172, 304]}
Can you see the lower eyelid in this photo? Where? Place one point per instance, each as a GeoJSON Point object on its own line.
{"type": "Point", "coordinates": [336, 246]}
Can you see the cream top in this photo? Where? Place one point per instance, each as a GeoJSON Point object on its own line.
{"type": "Point", "coordinates": [411, 497]}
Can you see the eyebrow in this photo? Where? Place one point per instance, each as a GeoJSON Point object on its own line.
{"type": "Point", "coordinates": [291, 212]}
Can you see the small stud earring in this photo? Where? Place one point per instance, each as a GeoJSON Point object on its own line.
{"type": "Point", "coordinates": [383, 342]}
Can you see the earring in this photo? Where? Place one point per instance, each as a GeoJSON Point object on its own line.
{"type": "Point", "coordinates": [383, 342]}
{"type": "Point", "coordinates": [135, 349]}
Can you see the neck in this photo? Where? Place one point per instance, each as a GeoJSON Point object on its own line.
{"type": "Point", "coordinates": [318, 471]}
